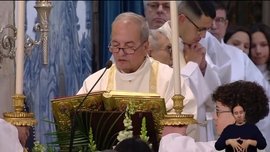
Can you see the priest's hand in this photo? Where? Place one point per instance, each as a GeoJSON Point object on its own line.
{"type": "Point", "coordinates": [174, 129]}
{"type": "Point", "coordinates": [23, 134]}
{"type": "Point", "coordinates": [196, 53]}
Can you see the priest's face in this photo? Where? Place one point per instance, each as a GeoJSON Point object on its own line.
{"type": "Point", "coordinates": [191, 30]}
{"type": "Point", "coordinates": [157, 13]}
{"type": "Point", "coordinates": [132, 51]}
{"type": "Point", "coordinates": [223, 117]}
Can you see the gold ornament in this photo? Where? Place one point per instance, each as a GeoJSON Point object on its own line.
{"type": "Point", "coordinates": [19, 118]}
{"type": "Point", "coordinates": [178, 118]}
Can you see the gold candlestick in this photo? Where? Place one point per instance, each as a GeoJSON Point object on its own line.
{"type": "Point", "coordinates": [19, 117]}
{"type": "Point", "coordinates": [178, 118]}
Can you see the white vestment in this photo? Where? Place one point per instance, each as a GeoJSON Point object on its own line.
{"type": "Point", "coordinates": [202, 87]}
{"type": "Point", "coordinates": [141, 81]}
{"type": "Point", "coordinates": [9, 138]}
{"type": "Point", "coordinates": [264, 71]}
{"type": "Point", "coordinates": [244, 69]}
{"type": "Point", "coordinates": [175, 142]}
{"type": "Point", "coordinates": [218, 56]}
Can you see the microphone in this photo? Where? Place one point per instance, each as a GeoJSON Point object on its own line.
{"type": "Point", "coordinates": [72, 130]}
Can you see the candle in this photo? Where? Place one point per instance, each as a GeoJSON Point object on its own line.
{"type": "Point", "coordinates": [20, 48]}
{"type": "Point", "coordinates": [175, 38]}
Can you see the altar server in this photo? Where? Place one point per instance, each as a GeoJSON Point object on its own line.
{"type": "Point", "coordinates": [194, 19]}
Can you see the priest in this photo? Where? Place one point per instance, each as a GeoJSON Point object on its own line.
{"type": "Point", "coordinates": [133, 69]}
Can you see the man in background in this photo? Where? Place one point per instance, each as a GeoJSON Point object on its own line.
{"type": "Point", "coordinates": [156, 13]}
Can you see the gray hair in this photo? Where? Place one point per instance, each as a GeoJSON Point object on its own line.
{"type": "Point", "coordinates": [137, 19]}
{"type": "Point", "coordinates": [153, 38]}
{"type": "Point", "coordinates": [146, 2]}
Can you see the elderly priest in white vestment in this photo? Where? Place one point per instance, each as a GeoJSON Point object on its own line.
{"type": "Point", "coordinates": [9, 138]}
{"type": "Point", "coordinates": [133, 69]}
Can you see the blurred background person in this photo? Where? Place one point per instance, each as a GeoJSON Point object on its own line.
{"type": "Point", "coordinates": [242, 67]}
{"type": "Point", "coordinates": [160, 47]}
{"type": "Point", "coordinates": [260, 48]}
{"type": "Point", "coordinates": [156, 13]}
{"type": "Point", "coordinates": [239, 37]}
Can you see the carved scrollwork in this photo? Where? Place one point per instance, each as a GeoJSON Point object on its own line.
{"type": "Point", "coordinates": [64, 108]}
{"type": "Point", "coordinates": [20, 118]}
{"type": "Point", "coordinates": [30, 43]}
{"type": "Point", "coordinates": [7, 44]}
{"type": "Point", "coordinates": [92, 103]}
{"type": "Point", "coordinates": [153, 106]}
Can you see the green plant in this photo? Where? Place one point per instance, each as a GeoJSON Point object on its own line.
{"type": "Point", "coordinates": [87, 140]}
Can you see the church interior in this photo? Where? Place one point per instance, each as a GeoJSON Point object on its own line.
{"type": "Point", "coordinates": [49, 49]}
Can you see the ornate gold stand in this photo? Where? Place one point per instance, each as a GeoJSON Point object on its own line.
{"type": "Point", "coordinates": [178, 118]}
{"type": "Point", "coordinates": [19, 118]}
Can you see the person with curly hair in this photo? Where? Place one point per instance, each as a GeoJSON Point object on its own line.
{"type": "Point", "coordinates": [250, 95]}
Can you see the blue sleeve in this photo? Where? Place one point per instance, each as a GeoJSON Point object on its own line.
{"type": "Point", "coordinates": [261, 142]}
{"type": "Point", "coordinates": [221, 142]}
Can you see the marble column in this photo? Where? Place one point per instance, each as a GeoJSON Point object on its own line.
{"type": "Point", "coordinates": [7, 73]}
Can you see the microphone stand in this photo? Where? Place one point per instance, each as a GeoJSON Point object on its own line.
{"type": "Point", "coordinates": [72, 130]}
